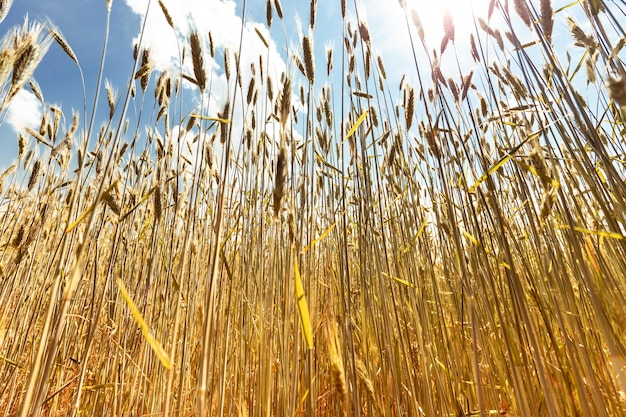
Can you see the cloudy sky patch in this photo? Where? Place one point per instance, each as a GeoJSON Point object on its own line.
{"type": "Point", "coordinates": [25, 110]}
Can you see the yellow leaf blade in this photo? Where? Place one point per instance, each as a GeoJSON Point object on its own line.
{"type": "Point", "coordinates": [89, 209]}
{"type": "Point", "coordinates": [303, 307]}
{"type": "Point", "coordinates": [157, 348]}
{"type": "Point", "coordinates": [322, 236]}
{"type": "Point", "coordinates": [491, 170]}
{"type": "Point", "coordinates": [417, 236]}
{"type": "Point", "coordinates": [357, 123]}
{"type": "Point", "coordinates": [213, 119]}
{"type": "Point", "coordinates": [400, 280]}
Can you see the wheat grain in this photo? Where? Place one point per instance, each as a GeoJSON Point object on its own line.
{"type": "Point", "coordinates": [111, 97]}
{"type": "Point", "coordinates": [280, 178]}
{"type": "Point", "coordinates": [62, 42]}
{"type": "Point", "coordinates": [197, 60]}
{"type": "Point", "coordinates": [364, 33]}
{"type": "Point", "coordinates": [580, 37]}
{"type": "Point", "coordinates": [473, 48]}
{"type": "Point", "coordinates": [34, 87]}
{"type": "Point", "coordinates": [158, 208]}
{"type": "Point", "coordinates": [166, 14]}
{"type": "Point", "coordinates": [547, 19]}
{"type": "Point", "coordinates": [279, 9]}
{"type": "Point", "coordinates": [268, 13]}
{"type": "Point", "coordinates": [448, 28]}
{"type": "Point", "coordinates": [590, 67]}
{"type": "Point", "coordinates": [211, 45]}
{"type": "Point", "coordinates": [617, 89]}
{"type": "Point", "coordinates": [34, 175]}
{"type": "Point", "coordinates": [30, 47]}
{"type": "Point", "coordinates": [522, 10]}
{"type": "Point", "coordinates": [410, 109]}
{"type": "Point", "coordinates": [309, 63]}
{"type": "Point", "coordinates": [329, 61]}
{"type": "Point", "coordinates": [381, 68]}
{"type": "Point", "coordinates": [418, 25]}
{"type": "Point", "coordinates": [5, 6]}
{"type": "Point", "coordinates": [338, 375]}
{"type": "Point", "coordinates": [312, 14]}
{"type": "Point", "coordinates": [251, 90]}
{"type": "Point", "coordinates": [227, 63]}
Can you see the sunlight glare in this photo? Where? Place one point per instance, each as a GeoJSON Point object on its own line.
{"type": "Point", "coordinates": [431, 14]}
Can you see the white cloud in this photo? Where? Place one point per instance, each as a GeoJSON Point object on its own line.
{"type": "Point", "coordinates": [25, 110]}
{"type": "Point", "coordinates": [221, 19]}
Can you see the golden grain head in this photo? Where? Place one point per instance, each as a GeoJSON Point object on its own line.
{"type": "Point", "coordinates": [312, 13]}
{"type": "Point", "coordinates": [62, 42]}
{"type": "Point", "coordinates": [309, 63]}
{"type": "Point", "coordinates": [166, 14]}
{"type": "Point", "coordinates": [617, 89]}
{"type": "Point", "coordinates": [279, 9]}
{"type": "Point", "coordinates": [522, 10]}
{"type": "Point", "coordinates": [197, 59]}
{"type": "Point", "coordinates": [547, 18]}
{"type": "Point", "coordinates": [34, 175]}
{"type": "Point", "coordinates": [268, 13]}
{"type": "Point", "coordinates": [280, 179]}
{"type": "Point", "coordinates": [285, 101]}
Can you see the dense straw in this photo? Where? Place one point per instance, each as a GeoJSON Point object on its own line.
{"type": "Point", "coordinates": [264, 240]}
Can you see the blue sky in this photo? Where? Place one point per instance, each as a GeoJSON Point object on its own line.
{"type": "Point", "coordinates": [83, 22]}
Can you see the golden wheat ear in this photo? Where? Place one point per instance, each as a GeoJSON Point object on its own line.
{"type": "Point", "coordinates": [5, 6]}
{"type": "Point", "coordinates": [30, 44]}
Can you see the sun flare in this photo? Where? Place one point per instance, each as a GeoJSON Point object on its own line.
{"type": "Point", "coordinates": [463, 13]}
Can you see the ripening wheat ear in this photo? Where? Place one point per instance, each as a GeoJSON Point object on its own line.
{"type": "Point", "coordinates": [285, 102]}
{"type": "Point", "coordinates": [309, 65]}
{"type": "Point", "coordinates": [280, 177]}
{"type": "Point", "coordinates": [198, 60]}
{"type": "Point", "coordinates": [30, 45]}
{"type": "Point", "coordinates": [522, 10]}
{"type": "Point", "coordinates": [5, 6]}
{"type": "Point", "coordinates": [58, 37]}
{"type": "Point", "coordinates": [547, 18]}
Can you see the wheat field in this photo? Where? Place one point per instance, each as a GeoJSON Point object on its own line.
{"type": "Point", "coordinates": [326, 242]}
